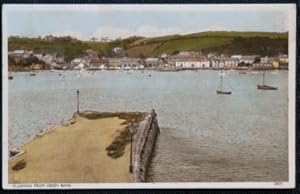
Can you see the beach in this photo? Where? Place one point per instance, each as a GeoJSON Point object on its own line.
{"type": "Point", "coordinates": [75, 153]}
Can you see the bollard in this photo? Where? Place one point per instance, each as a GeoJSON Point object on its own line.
{"type": "Point", "coordinates": [77, 101]}
{"type": "Point", "coordinates": [153, 113]}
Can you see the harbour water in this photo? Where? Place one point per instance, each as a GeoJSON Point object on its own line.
{"type": "Point", "coordinates": [204, 137]}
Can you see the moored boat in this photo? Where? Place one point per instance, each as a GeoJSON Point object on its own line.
{"type": "Point", "coordinates": [221, 91]}
{"type": "Point", "coordinates": [10, 76]}
{"type": "Point", "coordinates": [266, 87]}
{"type": "Point", "coordinates": [263, 86]}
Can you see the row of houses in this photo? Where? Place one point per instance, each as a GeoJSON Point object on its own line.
{"type": "Point", "coordinates": [181, 61]}
{"type": "Point", "coordinates": [52, 60]}
{"type": "Point", "coordinates": [233, 62]}
{"type": "Point", "coordinates": [107, 63]}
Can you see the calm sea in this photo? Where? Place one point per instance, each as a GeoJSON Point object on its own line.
{"type": "Point", "coordinates": [204, 136]}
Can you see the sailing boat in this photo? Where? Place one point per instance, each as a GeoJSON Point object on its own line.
{"type": "Point", "coordinates": [221, 91]}
{"type": "Point", "coordinates": [10, 76]}
{"type": "Point", "coordinates": [32, 73]}
{"type": "Point", "coordinates": [264, 86]}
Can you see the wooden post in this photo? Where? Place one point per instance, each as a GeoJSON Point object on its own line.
{"type": "Point", "coordinates": [131, 132]}
{"type": "Point", "coordinates": [78, 101]}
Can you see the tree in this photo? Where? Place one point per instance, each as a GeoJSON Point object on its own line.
{"type": "Point", "coordinates": [175, 52]}
{"type": "Point", "coordinates": [93, 39]}
{"type": "Point", "coordinates": [242, 64]}
{"type": "Point", "coordinates": [256, 60]}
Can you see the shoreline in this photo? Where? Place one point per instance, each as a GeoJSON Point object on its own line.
{"type": "Point", "coordinates": [155, 69]}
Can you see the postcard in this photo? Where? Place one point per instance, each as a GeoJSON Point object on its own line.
{"type": "Point", "coordinates": [148, 96]}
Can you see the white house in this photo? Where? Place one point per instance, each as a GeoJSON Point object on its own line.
{"type": "Point", "coordinates": [118, 51]}
{"type": "Point", "coordinates": [48, 59]}
{"type": "Point", "coordinates": [81, 65]}
{"type": "Point", "coordinates": [224, 62]}
{"type": "Point", "coordinates": [18, 52]}
{"type": "Point", "coordinates": [211, 55]}
{"type": "Point", "coordinates": [259, 66]}
{"type": "Point", "coordinates": [230, 62]}
{"type": "Point", "coordinates": [141, 67]}
{"type": "Point", "coordinates": [130, 62]}
{"type": "Point", "coordinates": [21, 53]}
{"type": "Point", "coordinates": [103, 67]}
{"type": "Point", "coordinates": [283, 58]}
{"type": "Point", "coordinates": [77, 61]}
{"type": "Point", "coordinates": [264, 59]}
{"type": "Point", "coordinates": [191, 62]}
{"type": "Point", "coordinates": [152, 61]}
{"type": "Point", "coordinates": [236, 57]}
{"type": "Point", "coordinates": [217, 63]}
{"type": "Point", "coordinates": [163, 56]}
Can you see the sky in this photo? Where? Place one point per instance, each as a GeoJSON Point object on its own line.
{"type": "Point", "coordinates": [116, 21]}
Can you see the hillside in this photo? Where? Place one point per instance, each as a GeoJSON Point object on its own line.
{"type": "Point", "coordinates": [67, 46]}
{"type": "Point", "coordinates": [263, 43]}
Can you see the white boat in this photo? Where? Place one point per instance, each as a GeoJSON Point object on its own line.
{"type": "Point", "coordinates": [127, 68]}
{"type": "Point", "coordinates": [102, 67]}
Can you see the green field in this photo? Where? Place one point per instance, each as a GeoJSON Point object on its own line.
{"type": "Point", "coordinates": [191, 44]}
{"type": "Point", "coordinates": [262, 43]}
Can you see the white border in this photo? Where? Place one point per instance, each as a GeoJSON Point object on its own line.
{"type": "Point", "coordinates": [288, 8]}
{"type": "Point", "coordinates": [149, 7]}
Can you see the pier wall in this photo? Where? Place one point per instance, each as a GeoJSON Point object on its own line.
{"type": "Point", "coordinates": [144, 141]}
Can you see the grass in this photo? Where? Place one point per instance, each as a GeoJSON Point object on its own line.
{"type": "Point", "coordinates": [127, 116]}
{"type": "Point", "coordinates": [221, 41]}
{"type": "Point", "coordinates": [19, 165]}
{"type": "Point", "coordinates": [137, 51]}
{"type": "Point", "coordinates": [117, 148]}
{"type": "Point", "coordinates": [191, 44]}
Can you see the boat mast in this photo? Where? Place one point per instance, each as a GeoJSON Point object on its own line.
{"type": "Point", "coordinates": [221, 79]}
{"type": "Point", "coordinates": [264, 78]}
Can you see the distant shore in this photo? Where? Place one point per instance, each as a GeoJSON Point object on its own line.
{"type": "Point", "coordinates": [150, 69]}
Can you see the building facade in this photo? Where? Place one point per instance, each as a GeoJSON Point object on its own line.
{"type": "Point", "coordinates": [191, 62]}
{"type": "Point", "coordinates": [262, 66]}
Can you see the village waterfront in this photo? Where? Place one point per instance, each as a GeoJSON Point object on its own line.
{"type": "Point", "coordinates": [204, 137]}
